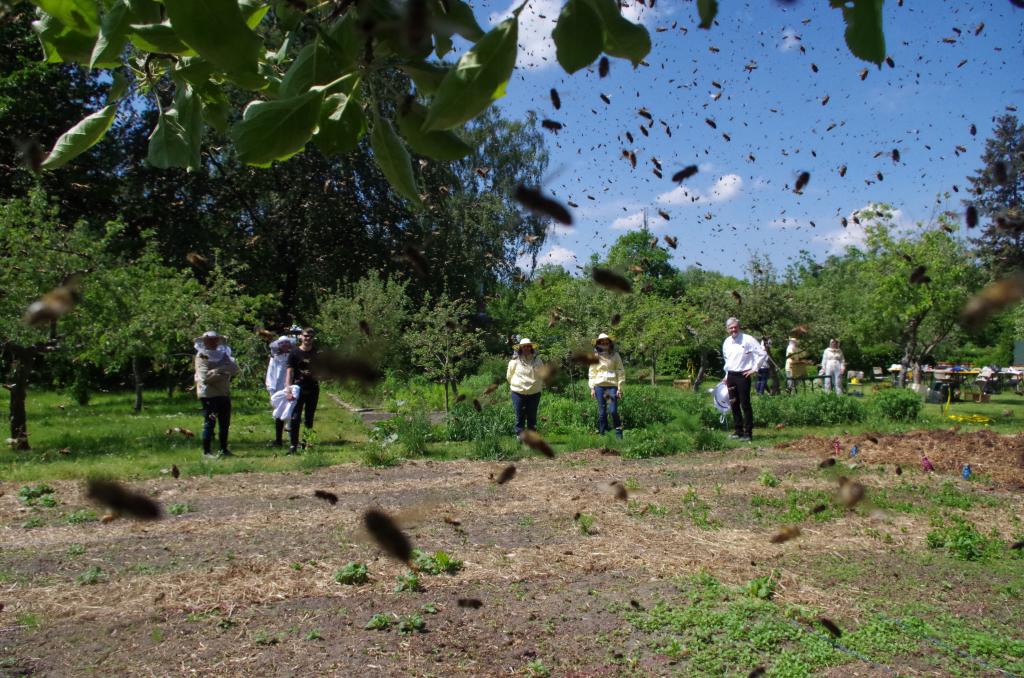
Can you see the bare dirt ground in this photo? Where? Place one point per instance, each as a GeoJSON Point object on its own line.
{"type": "Point", "coordinates": [242, 584]}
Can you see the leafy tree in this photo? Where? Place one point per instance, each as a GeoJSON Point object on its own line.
{"type": "Point", "coordinates": [653, 324]}
{"type": "Point", "coordinates": [442, 343]}
{"type": "Point", "coordinates": [368, 318]}
{"type": "Point", "coordinates": [997, 189]}
{"type": "Point", "coordinates": [38, 253]}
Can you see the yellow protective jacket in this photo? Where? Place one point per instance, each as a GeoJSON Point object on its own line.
{"type": "Point", "coordinates": [607, 371]}
{"type": "Point", "coordinates": [523, 377]}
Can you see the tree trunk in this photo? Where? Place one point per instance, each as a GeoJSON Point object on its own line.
{"type": "Point", "coordinates": [137, 374]}
{"type": "Point", "coordinates": [23, 359]}
{"type": "Point", "coordinates": [170, 385]}
{"type": "Point", "coordinates": [654, 370]}
{"type": "Point", "coordinates": [701, 371]}
{"type": "Point", "coordinates": [909, 349]}
{"type": "Point", "coordinates": [446, 396]}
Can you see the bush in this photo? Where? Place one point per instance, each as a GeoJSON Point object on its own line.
{"type": "Point", "coordinates": [675, 361]}
{"type": "Point", "coordinates": [560, 414]}
{"type": "Point", "coordinates": [964, 542]}
{"type": "Point", "coordinates": [495, 420]}
{"type": "Point", "coordinates": [642, 406]}
{"type": "Point", "coordinates": [706, 440]}
{"type": "Point", "coordinates": [413, 430]}
{"type": "Point", "coordinates": [648, 443]}
{"type": "Point", "coordinates": [808, 409]}
{"type": "Point", "coordinates": [353, 573]}
{"type": "Point", "coordinates": [896, 404]}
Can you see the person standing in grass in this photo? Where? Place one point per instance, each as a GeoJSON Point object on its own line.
{"type": "Point", "coordinates": [277, 370]}
{"type": "Point", "coordinates": [607, 376]}
{"type": "Point", "coordinates": [525, 383]}
{"type": "Point", "coordinates": [744, 356]}
{"type": "Point", "coordinates": [300, 373]}
{"type": "Point", "coordinates": [833, 364]}
{"type": "Point", "coordinates": [214, 368]}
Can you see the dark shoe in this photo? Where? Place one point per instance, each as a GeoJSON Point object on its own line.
{"type": "Point", "coordinates": [746, 438]}
{"type": "Point", "coordinates": [275, 443]}
{"type": "Point", "coordinates": [226, 453]}
{"type": "Point", "coordinates": [292, 450]}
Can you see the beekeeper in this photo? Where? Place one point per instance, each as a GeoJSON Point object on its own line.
{"type": "Point", "coordinates": [833, 364]}
{"type": "Point", "coordinates": [743, 356]}
{"type": "Point", "coordinates": [607, 376]}
{"type": "Point", "coordinates": [214, 368]}
{"type": "Point", "coordinates": [525, 383]}
{"type": "Point", "coordinates": [277, 369]}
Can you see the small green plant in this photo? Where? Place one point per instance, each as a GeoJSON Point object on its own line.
{"type": "Point", "coordinates": [30, 495]}
{"type": "Point", "coordinates": [29, 620]}
{"type": "Point", "coordinates": [156, 635]}
{"type": "Point", "coordinates": [81, 516]}
{"type": "Point", "coordinates": [378, 622]}
{"type": "Point", "coordinates": [439, 563]}
{"type": "Point", "coordinates": [352, 573]}
{"type": "Point", "coordinates": [91, 576]}
{"type": "Point", "coordinates": [180, 509]}
{"type": "Point", "coordinates": [75, 550]}
{"type": "Point", "coordinates": [585, 523]}
{"type": "Point", "coordinates": [768, 479]}
{"type": "Point", "coordinates": [264, 638]}
{"type": "Point", "coordinates": [313, 634]}
{"type": "Point", "coordinates": [47, 501]}
{"type": "Point", "coordinates": [429, 608]}
{"type": "Point", "coordinates": [632, 484]}
{"type": "Point", "coordinates": [408, 582]}
{"type": "Point", "coordinates": [537, 669]}
{"type": "Point", "coordinates": [34, 521]}
{"type": "Point", "coordinates": [762, 587]}
{"type": "Point", "coordinates": [226, 624]}
{"type": "Point", "coordinates": [698, 510]}
{"type": "Point", "coordinates": [410, 623]}
{"type": "Point", "coordinates": [964, 541]}
{"type": "Point", "coordinates": [296, 566]}
{"type": "Point", "coordinates": [380, 457]}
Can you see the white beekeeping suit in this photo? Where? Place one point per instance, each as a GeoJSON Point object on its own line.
{"type": "Point", "coordinates": [833, 364]}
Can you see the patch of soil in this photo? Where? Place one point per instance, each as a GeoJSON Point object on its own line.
{"type": "Point", "coordinates": [1000, 457]}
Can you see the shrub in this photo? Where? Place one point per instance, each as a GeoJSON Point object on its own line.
{"type": "Point", "coordinates": [439, 563]}
{"type": "Point", "coordinates": [413, 431]}
{"type": "Point", "coordinates": [642, 406]}
{"type": "Point", "coordinates": [648, 443]}
{"type": "Point", "coordinates": [896, 404]}
{"type": "Point", "coordinates": [496, 420]}
{"type": "Point", "coordinates": [560, 414]}
{"type": "Point", "coordinates": [707, 440]}
{"type": "Point", "coordinates": [964, 542]}
{"type": "Point", "coordinates": [808, 409]}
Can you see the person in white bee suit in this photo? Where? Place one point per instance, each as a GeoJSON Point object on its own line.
{"type": "Point", "coordinates": [275, 382]}
{"type": "Point", "coordinates": [606, 378]}
{"type": "Point", "coordinates": [833, 364]}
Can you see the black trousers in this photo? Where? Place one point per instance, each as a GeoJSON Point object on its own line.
{"type": "Point", "coordinates": [216, 411]}
{"type": "Point", "coordinates": [739, 398]}
{"type": "Point", "coordinates": [309, 396]}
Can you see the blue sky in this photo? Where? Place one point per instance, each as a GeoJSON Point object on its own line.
{"type": "Point", "coordinates": [774, 114]}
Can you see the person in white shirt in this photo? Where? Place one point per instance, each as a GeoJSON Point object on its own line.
{"type": "Point", "coordinates": [605, 379]}
{"type": "Point", "coordinates": [277, 370]}
{"type": "Point", "coordinates": [743, 356]}
{"type": "Point", "coordinates": [833, 364]}
{"type": "Point", "coordinates": [525, 383]}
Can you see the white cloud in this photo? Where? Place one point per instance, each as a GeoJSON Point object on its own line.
{"type": "Point", "coordinates": [724, 189]}
{"type": "Point", "coordinates": [855, 235]}
{"type": "Point", "coordinates": [629, 222]}
{"type": "Point", "coordinates": [790, 40]}
{"type": "Point", "coordinates": [557, 255]}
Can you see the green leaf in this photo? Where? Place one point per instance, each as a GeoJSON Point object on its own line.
{"type": "Point", "coordinates": [288, 17]}
{"type": "Point", "coordinates": [159, 38]}
{"type": "Point", "coordinates": [60, 43]}
{"type": "Point", "coordinates": [479, 78]}
{"type": "Point", "coordinates": [342, 122]}
{"type": "Point", "coordinates": [118, 86]}
{"type": "Point", "coordinates": [316, 64]}
{"type": "Point", "coordinates": [253, 11]}
{"type": "Point", "coordinates": [195, 69]}
{"type": "Point", "coordinates": [78, 15]}
{"type": "Point", "coordinates": [440, 145]}
{"type": "Point", "coordinates": [176, 140]}
{"type": "Point", "coordinates": [578, 36]}
{"type": "Point", "coordinates": [393, 160]}
{"type": "Point", "coordinates": [864, 34]}
{"type": "Point", "coordinates": [144, 11]}
{"type": "Point", "coordinates": [216, 30]}
{"type": "Point", "coordinates": [216, 108]}
{"type": "Point", "coordinates": [442, 45]}
{"type": "Point", "coordinates": [80, 138]}
{"type": "Point", "coordinates": [276, 130]}
{"type": "Point", "coordinates": [426, 76]}
{"type": "Point", "coordinates": [707, 9]}
{"type": "Point", "coordinates": [112, 37]}
{"type": "Point", "coordinates": [460, 20]}
{"type": "Point", "coordinates": [622, 38]}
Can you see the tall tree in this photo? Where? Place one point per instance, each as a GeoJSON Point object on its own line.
{"type": "Point", "coordinates": [997, 189]}
{"type": "Point", "coordinates": [441, 342]}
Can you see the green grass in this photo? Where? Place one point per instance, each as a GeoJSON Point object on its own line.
{"type": "Point", "coordinates": [105, 437]}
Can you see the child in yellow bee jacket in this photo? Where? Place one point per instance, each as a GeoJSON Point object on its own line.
{"type": "Point", "coordinates": [607, 376]}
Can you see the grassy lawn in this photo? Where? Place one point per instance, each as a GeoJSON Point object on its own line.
{"type": "Point", "coordinates": [106, 437]}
